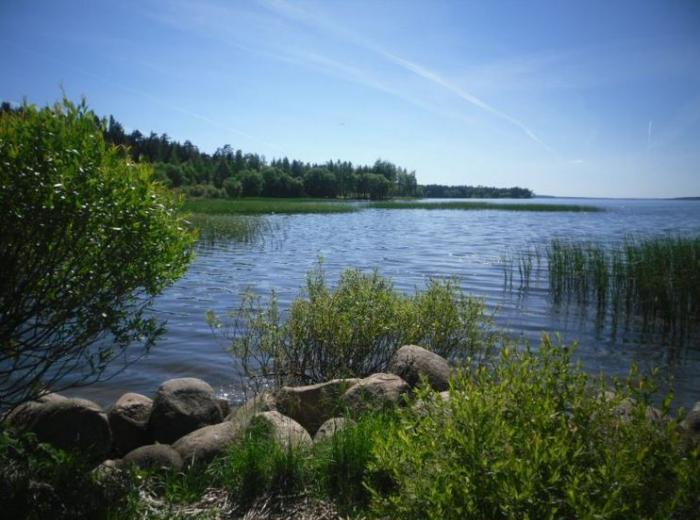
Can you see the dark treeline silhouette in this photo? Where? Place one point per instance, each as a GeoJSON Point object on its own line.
{"type": "Point", "coordinates": [233, 173]}
{"type": "Point", "coordinates": [229, 172]}
{"type": "Point", "coordinates": [439, 191]}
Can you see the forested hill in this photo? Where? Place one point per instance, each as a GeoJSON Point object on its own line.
{"type": "Point", "coordinates": [232, 173]}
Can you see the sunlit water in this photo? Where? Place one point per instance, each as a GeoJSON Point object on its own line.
{"type": "Point", "coordinates": [409, 247]}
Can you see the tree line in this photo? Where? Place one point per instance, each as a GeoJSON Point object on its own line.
{"type": "Point", "coordinates": [230, 172]}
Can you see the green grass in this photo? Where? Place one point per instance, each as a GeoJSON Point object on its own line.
{"type": "Point", "coordinates": [466, 205]}
{"type": "Point", "coordinates": [264, 206]}
{"type": "Point", "coordinates": [242, 228]}
{"type": "Point", "coordinates": [655, 280]}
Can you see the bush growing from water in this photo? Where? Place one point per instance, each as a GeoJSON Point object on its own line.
{"type": "Point", "coordinates": [534, 437]}
{"type": "Point", "coordinates": [352, 330]}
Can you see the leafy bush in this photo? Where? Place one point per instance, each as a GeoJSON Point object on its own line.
{"type": "Point", "coordinates": [535, 438]}
{"type": "Point", "coordinates": [352, 330]}
{"type": "Point", "coordinates": [87, 240]}
{"type": "Point", "coordinates": [206, 191]}
{"type": "Point", "coordinates": [38, 481]}
{"type": "Point", "coordinates": [232, 187]}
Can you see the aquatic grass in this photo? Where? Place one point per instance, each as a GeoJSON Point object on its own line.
{"type": "Point", "coordinates": [655, 280]}
{"type": "Point", "coordinates": [241, 228]}
{"type": "Point", "coordinates": [264, 206]}
{"type": "Point", "coordinates": [473, 205]}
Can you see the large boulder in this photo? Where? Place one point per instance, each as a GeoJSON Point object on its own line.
{"type": "Point", "coordinates": [413, 363]}
{"type": "Point", "coordinates": [263, 402]}
{"type": "Point", "coordinates": [182, 406]}
{"type": "Point", "coordinates": [203, 445]}
{"type": "Point", "coordinates": [72, 424]}
{"type": "Point", "coordinates": [128, 419]}
{"type": "Point", "coordinates": [154, 456]}
{"type": "Point", "coordinates": [375, 392]}
{"type": "Point", "coordinates": [332, 426]}
{"type": "Point", "coordinates": [312, 405]}
{"type": "Point", "coordinates": [283, 429]}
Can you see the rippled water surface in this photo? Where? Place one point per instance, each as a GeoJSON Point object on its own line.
{"type": "Point", "coordinates": [409, 246]}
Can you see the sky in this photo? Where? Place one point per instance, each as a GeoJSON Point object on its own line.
{"type": "Point", "coordinates": [595, 98]}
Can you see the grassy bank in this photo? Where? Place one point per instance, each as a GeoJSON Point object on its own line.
{"type": "Point", "coordinates": [264, 206]}
{"type": "Point", "coordinates": [467, 205]}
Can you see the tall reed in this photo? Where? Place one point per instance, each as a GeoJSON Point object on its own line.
{"type": "Point", "coordinates": [653, 280]}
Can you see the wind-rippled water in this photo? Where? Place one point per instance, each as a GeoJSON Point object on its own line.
{"type": "Point", "coordinates": [409, 247]}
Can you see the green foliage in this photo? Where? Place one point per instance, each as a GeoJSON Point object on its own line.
{"type": "Point", "coordinates": [533, 437]}
{"type": "Point", "coordinates": [655, 279]}
{"type": "Point", "coordinates": [262, 206]}
{"type": "Point", "coordinates": [251, 182]}
{"type": "Point", "coordinates": [232, 187]}
{"type": "Point", "coordinates": [38, 481]}
{"type": "Point", "coordinates": [352, 330]}
{"type": "Point", "coordinates": [341, 463]}
{"type": "Point", "coordinates": [259, 465]}
{"type": "Point", "coordinates": [87, 239]}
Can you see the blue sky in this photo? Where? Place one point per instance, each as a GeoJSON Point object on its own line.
{"type": "Point", "coordinates": [566, 98]}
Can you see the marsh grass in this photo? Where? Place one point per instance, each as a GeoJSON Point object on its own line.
{"type": "Point", "coordinates": [264, 206]}
{"type": "Point", "coordinates": [467, 205]}
{"type": "Point", "coordinates": [656, 281]}
{"type": "Point", "coordinates": [241, 228]}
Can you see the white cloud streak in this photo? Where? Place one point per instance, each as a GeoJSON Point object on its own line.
{"type": "Point", "coordinates": [286, 10]}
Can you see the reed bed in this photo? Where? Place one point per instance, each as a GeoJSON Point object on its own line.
{"type": "Point", "coordinates": [263, 206]}
{"type": "Point", "coordinates": [473, 205]}
{"type": "Point", "coordinates": [655, 280]}
{"type": "Point", "coordinates": [241, 228]}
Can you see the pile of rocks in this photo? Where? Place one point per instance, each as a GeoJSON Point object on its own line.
{"type": "Point", "coordinates": [186, 424]}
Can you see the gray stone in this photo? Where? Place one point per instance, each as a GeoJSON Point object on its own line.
{"type": "Point", "coordinates": [203, 445]}
{"type": "Point", "coordinates": [413, 363]}
{"type": "Point", "coordinates": [312, 405]}
{"type": "Point", "coordinates": [72, 424]}
{"type": "Point", "coordinates": [128, 419]}
{"type": "Point", "coordinates": [283, 429]}
{"type": "Point", "coordinates": [375, 392]}
{"type": "Point", "coordinates": [154, 456]}
{"type": "Point", "coordinates": [182, 406]}
{"type": "Point", "coordinates": [332, 426]}
{"type": "Point", "coordinates": [263, 402]}
{"type": "Point", "coordinates": [691, 423]}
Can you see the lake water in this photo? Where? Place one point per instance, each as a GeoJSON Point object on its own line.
{"type": "Point", "coordinates": [409, 247]}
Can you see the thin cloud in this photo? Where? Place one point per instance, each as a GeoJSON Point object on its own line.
{"type": "Point", "coordinates": [649, 134]}
{"type": "Point", "coordinates": [286, 10]}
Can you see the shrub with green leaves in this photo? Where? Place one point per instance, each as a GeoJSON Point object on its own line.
{"type": "Point", "coordinates": [87, 240]}
{"type": "Point", "coordinates": [352, 330]}
{"type": "Point", "coordinates": [535, 437]}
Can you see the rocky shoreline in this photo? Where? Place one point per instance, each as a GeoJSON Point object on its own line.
{"type": "Point", "coordinates": [185, 424]}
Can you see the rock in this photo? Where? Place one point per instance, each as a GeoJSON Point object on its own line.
{"type": "Point", "coordinates": [624, 409]}
{"type": "Point", "coordinates": [224, 406]}
{"type": "Point", "coordinates": [203, 445]}
{"type": "Point", "coordinates": [445, 395]}
{"type": "Point", "coordinates": [72, 424]}
{"type": "Point", "coordinates": [128, 419]}
{"type": "Point", "coordinates": [263, 402]}
{"type": "Point", "coordinates": [691, 423]}
{"type": "Point", "coordinates": [154, 456]}
{"type": "Point", "coordinates": [283, 429]}
{"type": "Point", "coordinates": [312, 405]}
{"type": "Point", "coordinates": [375, 392]}
{"type": "Point", "coordinates": [332, 426]}
{"type": "Point", "coordinates": [413, 363]}
{"type": "Point", "coordinates": [182, 406]}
